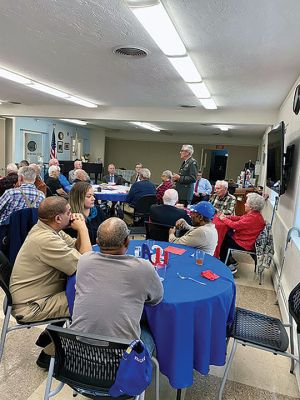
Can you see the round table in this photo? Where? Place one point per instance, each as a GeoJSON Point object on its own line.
{"type": "Point", "coordinates": [115, 193]}
{"type": "Point", "coordinates": [189, 325]}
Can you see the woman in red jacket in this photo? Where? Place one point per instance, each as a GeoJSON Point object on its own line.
{"type": "Point", "coordinates": [246, 228]}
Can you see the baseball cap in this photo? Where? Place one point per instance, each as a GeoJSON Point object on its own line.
{"type": "Point", "coordinates": [205, 208]}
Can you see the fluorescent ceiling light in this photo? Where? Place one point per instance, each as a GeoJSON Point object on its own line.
{"type": "Point", "coordinates": [186, 68]}
{"type": "Point", "coordinates": [223, 128]}
{"type": "Point", "coordinates": [82, 102]}
{"type": "Point", "coordinates": [209, 104]}
{"type": "Point", "coordinates": [158, 24]}
{"type": "Point", "coordinates": [14, 77]}
{"type": "Point", "coordinates": [199, 89]}
{"type": "Point", "coordinates": [44, 88]}
{"type": "Point", "coordinates": [49, 90]}
{"type": "Point", "coordinates": [145, 125]}
{"type": "Point", "coordinates": [74, 121]}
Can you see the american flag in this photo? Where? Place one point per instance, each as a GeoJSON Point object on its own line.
{"type": "Point", "coordinates": [53, 146]}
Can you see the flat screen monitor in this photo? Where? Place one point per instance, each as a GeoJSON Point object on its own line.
{"type": "Point", "coordinates": [275, 159]}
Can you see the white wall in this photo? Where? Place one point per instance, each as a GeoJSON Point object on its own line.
{"type": "Point", "coordinates": [97, 144]}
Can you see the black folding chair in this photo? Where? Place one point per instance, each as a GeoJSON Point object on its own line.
{"type": "Point", "coordinates": [157, 231]}
{"type": "Point", "coordinates": [5, 273]}
{"type": "Point", "coordinates": [87, 363]}
{"type": "Point", "coordinates": [142, 209]}
{"type": "Point", "coordinates": [265, 333]}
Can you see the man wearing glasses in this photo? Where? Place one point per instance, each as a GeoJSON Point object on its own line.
{"type": "Point", "coordinates": [187, 175]}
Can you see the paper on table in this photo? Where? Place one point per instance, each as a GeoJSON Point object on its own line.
{"type": "Point", "coordinates": [174, 250]}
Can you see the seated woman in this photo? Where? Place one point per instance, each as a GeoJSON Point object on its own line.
{"type": "Point", "coordinates": [82, 200]}
{"type": "Point", "coordinates": [166, 184]}
{"type": "Point", "coordinates": [246, 228]}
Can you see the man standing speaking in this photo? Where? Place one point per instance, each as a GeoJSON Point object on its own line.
{"type": "Point", "coordinates": [187, 175]}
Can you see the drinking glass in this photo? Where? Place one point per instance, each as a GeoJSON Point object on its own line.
{"type": "Point", "coordinates": [199, 257]}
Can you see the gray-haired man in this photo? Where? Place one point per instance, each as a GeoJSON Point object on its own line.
{"type": "Point", "coordinates": [187, 175]}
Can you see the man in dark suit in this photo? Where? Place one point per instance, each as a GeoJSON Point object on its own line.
{"type": "Point", "coordinates": [167, 213]}
{"type": "Point", "coordinates": [187, 175]}
{"type": "Point", "coordinates": [112, 178]}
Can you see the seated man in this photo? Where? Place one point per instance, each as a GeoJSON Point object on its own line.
{"type": "Point", "coordinates": [46, 258]}
{"type": "Point", "coordinates": [112, 177]}
{"type": "Point", "coordinates": [223, 202]}
{"type": "Point", "coordinates": [136, 176]}
{"type": "Point", "coordinates": [167, 213]}
{"type": "Point", "coordinates": [26, 195]}
{"type": "Point", "coordinates": [203, 233]}
{"type": "Point", "coordinates": [53, 182]}
{"type": "Point", "coordinates": [9, 181]}
{"type": "Point", "coordinates": [81, 176]}
{"type": "Point", "coordinates": [202, 189]}
{"type": "Point", "coordinates": [62, 179]}
{"type": "Point", "coordinates": [77, 165]}
{"type": "Point", "coordinates": [112, 287]}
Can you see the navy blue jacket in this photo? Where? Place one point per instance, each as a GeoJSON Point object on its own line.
{"type": "Point", "coordinates": [138, 190]}
{"type": "Point", "coordinates": [167, 215]}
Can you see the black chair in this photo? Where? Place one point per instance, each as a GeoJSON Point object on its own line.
{"type": "Point", "coordinates": [142, 209]}
{"type": "Point", "coordinates": [263, 252]}
{"type": "Point", "coordinates": [157, 231]}
{"type": "Point", "coordinates": [266, 333]}
{"type": "Point", "coordinates": [87, 363]}
{"type": "Point", "coordinates": [5, 273]}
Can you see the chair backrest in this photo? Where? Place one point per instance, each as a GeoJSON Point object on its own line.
{"type": "Point", "coordinates": [157, 231]}
{"type": "Point", "coordinates": [5, 273]}
{"type": "Point", "coordinates": [84, 360]}
{"type": "Point", "coordinates": [144, 203]}
{"type": "Point", "coordinates": [294, 305]}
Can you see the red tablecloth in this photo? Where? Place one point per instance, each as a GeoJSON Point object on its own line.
{"type": "Point", "coordinates": [222, 230]}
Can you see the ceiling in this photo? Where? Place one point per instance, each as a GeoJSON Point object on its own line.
{"type": "Point", "coordinates": [246, 51]}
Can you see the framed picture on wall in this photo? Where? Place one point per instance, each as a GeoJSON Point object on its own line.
{"type": "Point", "coordinates": [67, 146]}
{"type": "Point", "coordinates": [60, 147]}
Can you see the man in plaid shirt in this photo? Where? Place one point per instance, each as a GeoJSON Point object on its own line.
{"type": "Point", "coordinates": [24, 196]}
{"type": "Point", "coordinates": [223, 202]}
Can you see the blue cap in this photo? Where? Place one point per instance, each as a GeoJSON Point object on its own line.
{"type": "Point", "coordinates": [205, 208]}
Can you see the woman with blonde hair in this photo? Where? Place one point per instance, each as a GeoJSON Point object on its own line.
{"type": "Point", "coordinates": [82, 200]}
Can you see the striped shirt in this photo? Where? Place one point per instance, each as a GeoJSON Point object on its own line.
{"type": "Point", "coordinates": [13, 200]}
{"type": "Point", "coordinates": [225, 204]}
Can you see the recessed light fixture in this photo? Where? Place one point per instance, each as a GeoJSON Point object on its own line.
{"type": "Point", "coordinates": [223, 128]}
{"type": "Point", "coordinates": [158, 24]}
{"type": "Point", "coordinates": [12, 76]}
{"type": "Point", "coordinates": [74, 121]}
{"type": "Point", "coordinates": [146, 125]}
{"type": "Point", "coordinates": [186, 68]}
{"type": "Point", "coordinates": [209, 104]}
{"type": "Point", "coordinates": [155, 19]}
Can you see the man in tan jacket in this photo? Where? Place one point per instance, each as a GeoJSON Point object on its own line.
{"type": "Point", "coordinates": [44, 261]}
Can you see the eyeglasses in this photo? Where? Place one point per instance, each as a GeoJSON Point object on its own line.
{"type": "Point", "coordinates": [180, 151]}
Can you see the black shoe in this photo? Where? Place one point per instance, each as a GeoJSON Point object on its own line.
{"type": "Point", "coordinates": [43, 340]}
{"type": "Point", "coordinates": [43, 360]}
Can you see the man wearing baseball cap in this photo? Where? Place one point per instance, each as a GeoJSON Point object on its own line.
{"type": "Point", "coordinates": [203, 234]}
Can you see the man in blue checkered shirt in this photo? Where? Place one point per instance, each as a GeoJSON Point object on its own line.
{"type": "Point", "coordinates": [24, 196]}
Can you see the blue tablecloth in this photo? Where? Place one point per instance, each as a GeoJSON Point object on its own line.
{"type": "Point", "coordinates": [111, 196]}
{"type": "Point", "coordinates": [189, 325]}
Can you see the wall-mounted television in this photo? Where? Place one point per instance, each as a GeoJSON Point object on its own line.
{"type": "Point", "coordinates": [279, 163]}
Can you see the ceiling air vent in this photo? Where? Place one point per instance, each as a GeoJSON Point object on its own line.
{"type": "Point", "coordinates": [14, 102]}
{"type": "Point", "coordinates": [130, 51]}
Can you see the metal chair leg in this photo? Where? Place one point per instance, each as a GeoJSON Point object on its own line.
{"type": "Point", "coordinates": [49, 379]}
{"type": "Point", "coordinates": [155, 362]}
{"type": "Point", "coordinates": [228, 253]}
{"type": "Point", "coordinates": [227, 369]}
{"type": "Point", "coordinates": [292, 343]}
{"type": "Point", "coordinates": [4, 330]}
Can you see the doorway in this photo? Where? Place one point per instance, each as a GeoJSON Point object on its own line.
{"type": "Point", "coordinates": [218, 165]}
